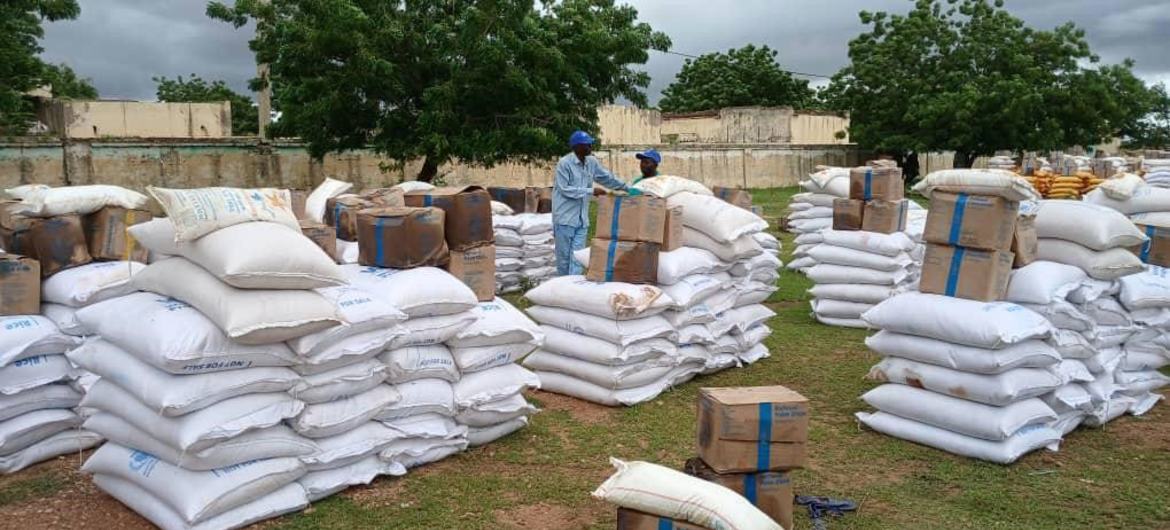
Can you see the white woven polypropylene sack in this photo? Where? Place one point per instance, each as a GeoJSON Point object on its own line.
{"type": "Point", "coordinates": [1042, 282]}
{"type": "Point", "coordinates": [499, 323]}
{"type": "Point", "coordinates": [826, 307]}
{"type": "Point", "coordinates": [667, 186]}
{"type": "Point", "coordinates": [613, 300]}
{"type": "Point", "coordinates": [959, 415]}
{"type": "Point", "coordinates": [857, 293]}
{"type": "Point", "coordinates": [201, 211]}
{"type": "Point", "coordinates": [175, 337]}
{"type": "Point", "coordinates": [419, 362]}
{"type": "Point", "coordinates": [328, 189]}
{"type": "Point", "coordinates": [1147, 290]}
{"type": "Point", "coordinates": [31, 372]}
{"type": "Point", "coordinates": [62, 316]}
{"type": "Point", "coordinates": [432, 330]}
{"type": "Point", "coordinates": [175, 395]}
{"type": "Point", "coordinates": [1144, 199]}
{"type": "Point", "coordinates": [195, 496]}
{"type": "Point", "coordinates": [535, 223]}
{"type": "Point", "coordinates": [347, 380]}
{"type": "Point", "coordinates": [495, 412]}
{"type": "Point", "coordinates": [1000, 183]}
{"type": "Point", "coordinates": [741, 248]}
{"type": "Point", "coordinates": [91, 283]}
{"type": "Point", "coordinates": [1028, 354]}
{"type": "Point", "coordinates": [359, 312]}
{"type": "Point", "coordinates": [492, 385]}
{"type": "Point", "coordinates": [39, 398]}
{"type": "Point", "coordinates": [30, 336]}
{"type": "Point", "coordinates": [1159, 219]}
{"type": "Point", "coordinates": [1086, 224]}
{"type": "Point", "coordinates": [332, 418]}
{"type": "Point", "coordinates": [991, 389]}
{"type": "Point", "coordinates": [581, 389]}
{"type": "Point", "coordinates": [831, 181]}
{"type": "Point", "coordinates": [421, 396]}
{"type": "Point", "coordinates": [62, 443]}
{"type": "Point", "coordinates": [834, 255]}
{"type": "Point", "coordinates": [420, 292]}
{"type": "Point", "coordinates": [321, 484]}
{"type": "Point", "coordinates": [1103, 265]}
{"type": "Point", "coordinates": [872, 242]}
{"type": "Point", "coordinates": [693, 288]}
{"type": "Point", "coordinates": [668, 493]}
{"type": "Point", "coordinates": [249, 316]}
{"type": "Point", "coordinates": [476, 358]}
{"type": "Point", "coordinates": [201, 429]}
{"type": "Point", "coordinates": [621, 332]}
{"type": "Point", "coordinates": [817, 199]}
{"type": "Point", "coordinates": [43, 201]}
{"type": "Point", "coordinates": [500, 209]}
{"type": "Point", "coordinates": [23, 431]}
{"type": "Point", "coordinates": [347, 252]}
{"type": "Point", "coordinates": [477, 436]}
{"type": "Point", "coordinates": [1023, 442]}
{"type": "Point", "coordinates": [989, 325]}
{"type": "Point", "coordinates": [605, 376]}
{"type": "Point", "coordinates": [827, 273]}
{"type": "Point", "coordinates": [252, 255]}
{"type": "Point", "coordinates": [600, 351]}
{"type": "Point", "coordinates": [414, 185]}
{"type": "Point", "coordinates": [289, 498]}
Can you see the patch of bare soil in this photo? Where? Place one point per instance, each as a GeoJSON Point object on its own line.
{"type": "Point", "coordinates": [78, 504]}
{"type": "Point", "coordinates": [544, 516]}
{"type": "Point", "coordinates": [580, 410]}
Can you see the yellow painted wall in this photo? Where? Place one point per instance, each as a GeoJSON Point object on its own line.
{"type": "Point", "coordinates": [135, 119]}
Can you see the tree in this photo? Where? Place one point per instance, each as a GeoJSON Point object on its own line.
{"type": "Point", "coordinates": [1153, 130]}
{"type": "Point", "coordinates": [20, 68]}
{"type": "Point", "coordinates": [481, 81]}
{"type": "Point", "coordinates": [194, 89]}
{"type": "Point", "coordinates": [66, 83]}
{"type": "Point", "coordinates": [967, 76]}
{"type": "Point", "coordinates": [746, 76]}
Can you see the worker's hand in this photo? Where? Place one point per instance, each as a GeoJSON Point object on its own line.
{"type": "Point", "coordinates": [599, 191]}
{"type": "Point", "coordinates": [633, 192]}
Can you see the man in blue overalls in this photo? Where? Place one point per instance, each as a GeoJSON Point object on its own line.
{"type": "Point", "coordinates": [573, 186]}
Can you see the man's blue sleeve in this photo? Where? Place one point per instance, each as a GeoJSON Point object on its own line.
{"type": "Point", "coordinates": [564, 184]}
{"type": "Point", "coordinates": [605, 178]}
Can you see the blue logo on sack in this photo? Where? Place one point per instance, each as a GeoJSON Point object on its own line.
{"type": "Point", "coordinates": [142, 463]}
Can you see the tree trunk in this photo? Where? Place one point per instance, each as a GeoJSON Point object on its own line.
{"type": "Point", "coordinates": [964, 159]}
{"type": "Point", "coordinates": [429, 170]}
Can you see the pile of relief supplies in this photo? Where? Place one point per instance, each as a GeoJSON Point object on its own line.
{"type": "Point", "coordinates": [675, 284]}
{"type": "Point", "coordinates": [522, 221]}
{"type": "Point", "coordinates": [263, 375]}
{"type": "Point", "coordinates": [1018, 332]}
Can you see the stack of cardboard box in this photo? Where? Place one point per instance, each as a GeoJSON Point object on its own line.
{"type": "Point", "coordinates": [1156, 251]}
{"type": "Point", "coordinates": [467, 229]}
{"type": "Point", "coordinates": [631, 231]}
{"type": "Point", "coordinates": [520, 200]}
{"type": "Point", "coordinates": [750, 438]}
{"type": "Point", "coordinates": [877, 201]}
{"type": "Point", "coordinates": [973, 241]}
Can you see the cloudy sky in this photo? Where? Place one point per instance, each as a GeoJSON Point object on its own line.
{"type": "Point", "coordinates": [122, 44]}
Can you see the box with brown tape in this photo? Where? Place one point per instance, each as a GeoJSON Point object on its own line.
{"type": "Point", "coordinates": [341, 213]}
{"type": "Point", "coordinates": [770, 491]}
{"type": "Point", "coordinates": [402, 238]}
{"type": "Point", "coordinates": [623, 261]}
{"type": "Point", "coordinates": [467, 210]}
{"type": "Point", "coordinates": [628, 519]}
{"type": "Point", "coordinates": [107, 237]}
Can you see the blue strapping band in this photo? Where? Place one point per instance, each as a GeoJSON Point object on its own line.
{"type": "Point", "coordinates": [428, 200]}
{"type": "Point", "coordinates": [613, 239]}
{"type": "Point", "coordinates": [1150, 230]}
{"type": "Point", "coordinates": [609, 259]}
{"type": "Point", "coordinates": [613, 223]}
{"type": "Point", "coordinates": [868, 193]}
{"type": "Point", "coordinates": [378, 237]}
{"type": "Point", "coordinates": [337, 218]}
{"type": "Point", "coordinates": [953, 275]}
{"type": "Point", "coordinates": [764, 445]}
{"type": "Point", "coordinates": [902, 215]}
{"type": "Point", "coordinates": [749, 488]}
{"type": "Point", "coordinates": [665, 524]}
{"type": "Point", "coordinates": [957, 219]}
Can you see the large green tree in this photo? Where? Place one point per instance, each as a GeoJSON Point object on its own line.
{"type": "Point", "coordinates": [67, 84]}
{"type": "Point", "coordinates": [21, 69]}
{"type": "Point", "coordinates": [747, 76]}
{"type": "Point", "coordinates": [1153, 130]}
{"type": "Point", "coordinates": [481, 81]}
{"type": "Point", "coordinates": [194, 89]}
{"type": "Point", "coordinates": [968, 76]}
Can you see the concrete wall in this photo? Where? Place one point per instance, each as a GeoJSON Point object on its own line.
{"type": "Point", "coordinates": [134, 119]}
{"type": "Point", "coordinates": [238, 162]}
{"type": "Point", "coordinates": [816, 128]}
{"type": "Point", "coordinates": [622, 125]}
{"type": "Point", "coordinates": [738, 125]}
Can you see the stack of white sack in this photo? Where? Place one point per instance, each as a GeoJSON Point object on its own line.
{"type": "Point", "coordinates": [1157, 172]}
{"type": "Point", "coordinates": [524, 249]}
{"type": "Point", "coordinates": [1147, 297]}
{"type": "Point", "coordinates": [198, 385]}
{"type": "Point", "coordinates": [1145, 203]}
{"type": "Point", "coordinates": [963, 376]}
{"type": "Point", "coordinates": [804, 259]}
{"type": "Point", "coordinates": [608, 343]}
{"type": "Point", "coordinates": [488, 397]}
{"type": "Point", "coordinates": [1001, 162]}
{"type": "Point", "coordinates": [856, 270]}
{"type": "Point", "coordinates": [811, 211]}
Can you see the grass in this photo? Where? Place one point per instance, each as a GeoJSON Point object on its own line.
{"type": "Point", "coordinates": [541, 477]}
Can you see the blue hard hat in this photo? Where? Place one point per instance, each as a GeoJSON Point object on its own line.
{"type": "Point", "coordinates": [580, 137]}
{"type": "Point", "coordinates": [650, 155]}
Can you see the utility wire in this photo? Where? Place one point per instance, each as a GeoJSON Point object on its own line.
{"type": "Point", "coordinates": [793, 72]}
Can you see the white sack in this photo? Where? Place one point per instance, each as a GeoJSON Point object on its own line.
{"type": "Point", "coordinates": [959, 415]}
{"type": "Point", "coordinates": [25, 430]}
{"type": "Point", "coordinates": [571, 386]}
{"type": "Point", "coordinates": [834, 255]}
{"type": "Point", "coordinates": [477, 436]}
{"type": "Point", "coordinates": [62, 443]}
{"type": "Point", "coordinates": [420, 292]}
{"type": "Point", "coordinates": [43, 201]}
{"type": "Point", "coordinates": [995, 389]}
{"type": "Point", "coordinates": [1042, 282]}
{"type": "Point", "coordinates": [1103, 265]}
{"type": "Point", "coordinates": [857, 293]}
{"type": "Point", "coordinates": [825, 307]}
{"type": "Point", "coordinates": [62, 316]}
{"type": "Point", "coordinates": [428, 331]}
{"type": "Point", "coordinates": [1005, 452]}
{"type": "Point", "coordinates": [1145, 199]}
{"type": "Point", "coordinates": [737, 249]}
{"type": "Point", "coordinates": [1027, 354]}
{"type": "Point", "coordinates": [608, 377]}
{"type": "Point", "coordinates": [319, 485]}
{"type": "Point", "coordinates": [419, 362]}
{"type": "Point", "coordinates": [494, 384]}
{"type": "Point", "coordinates": [989, 325]}
{"type": "Point", "coordinates": [476, 358]}
{"type": "Point", "coordinates": [1086, 224]}
{"type": "Point", "coordinates": [1147, 290]}
{"type": "Point", "coordinates": [667, 186]}
{"type": "Point", "coordinates": [327, 189]}
{"type": "Point", "coordinates": [91, 283]}
{"type": "Point", "coordinates": [614, 300]}
{"type": "Point", "coordinates": [350, 446]}
{"type": "Point", "coordinates": [340, 382]}
{"type": "Point", "coordinates": [290, 498]}
{"type": "Point", "coordinates": [499, 323]}
{"type": "Point", "coordinates": [496, 412]}
{"type": "Point", "coordinates": [599, 351]}
{"type": "Point", "coordinates": [826, 273]}
{"type": "Point", "coordinates": [39, 398]}
{"type": "Point", "coordinates": [622, 332]}
{"type": "Point", "coordinates": [31, 372]}
{"type": "Point", "coordinates": [421, 396]}
{"type": "Point", "coordinates": [997, 182]}
{"type": "Point", "coordinates": [22, 337]}
{"type": "Point", "coordinates": [201, 211]}
{"type": "Point", "coordinates": [692, 288]}
{"type": "Point", "coordinates": [884, 244]}
{"type": "Point", "coordinates": [359, 311]}
{"type": "Point", "coordinates": [335, 417]}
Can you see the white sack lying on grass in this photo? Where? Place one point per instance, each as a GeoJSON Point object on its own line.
{"type": "Point", "coordinates": [571, 386]}
{"type": "Point", "coordinates": [319, 485]}
{"type": "Point", "coordinates": [248, 255]}
{"type": "Point", "coordinates": [419, 292]}
{"type": "Point", "coordinates": [23, 431]}
{"type": "Point", "coordinates": [91, 283]}
{"type": "Point", "coordinates": [823, 273]}
{"type": "Point", "coordinates": [661, 491]}
{"type": "Point", "coordinates": [419, 362]}
{"type": "Point", "coordinates": [1028, 354]}
{"type": "Point", "coordinates": [988, 325]}
{"type": "Point", "coordinates": [22, 337]}
{"type": "Point", "coordinates": [1005, 452]}
{"type": "Point", "coordinates": [613, 300]}
{"type": "Point", "coordinates": [251, 316]}
{"type": "Point", "coordinates": [62, 443]}
{"type": "Point", "coordinates": [842, 322]}
{"type": "Point", "coordinates": [995, 389]}
{"type": "Point", "coordinates": [621, 332]}
{"type": "Point", "coordinates": [674, 266]}
{"type": "Point", "coordinates": [959, 415]}
{"type": "Point", "coordinates": [1103, 265]}
{"type": "Point", "coordinates": [43, 397]}
{"type": "Point", "coordinates": [32, 372]}
{"type": "Point", "coordinates": [43, 201]}
{"type": "Point", "coordinates": [599, 351]}
{"type": "Point", "coordinates": [290, 498]}
{"type": "Point", "coordinates": [478, 436]}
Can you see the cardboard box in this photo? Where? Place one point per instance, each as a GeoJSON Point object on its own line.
{"type": "Point", "coordinates": [749, 429]}
{"type": "Point", "coordinates": [628, 519]}
{"type": "Point", "coordinates": [545, 204]}
{"type": "Point", "coordinates": [532, 196]}
{"type": "Point", "coordinates": [736, 196]}
{"type": "Point", "coordinates": [624, 218]}
{"type": "Point", "coordinates": [885, 217]}
{"type": "Point", "coordinates": [1025, 241]}
{"type": "Point", "coordinates": [402, 238]}
{"type": "Point", "coordinates": [468, 213]}
{"type": "Point", "coordinates": [623, 261]}
{"type": "Point", "coordinates": [384, 197]}
{"type": "Point", "coordinates": [59, 243]}
{"type": "Point", "coordinates": [881, 183]}
{"type": "Point", "coordinates": [520, 200]}
{"type": "Point", "coordinates": [17, 242]}
{"type": "Point", "coordinates": [476, 268]}
{"type": "Point", "coordinates": [770, 491]}
{"type": "Point", "coordinates": [848, 214]}
{"type": "Point", "coordinates": [672, 234]}
{"type": "Point", "coordinates": [972, 221]}
{"type": "Point", "coordinates": [341, 213]}
{"type": "Point", "coordinates": [323, 235]}
{"type": "Point", "coordinates": [107, 238]}
{"type": "Point", "coordinates": [966, 272]}
{"type": "Point", "coordinates": [1156, 251]}
{"type": "Point", "coordinates": [20, 285]}
{"type": "Point", "coordinates": [10, 219]}
{"type": "Point", "coordinates": [299, 198]}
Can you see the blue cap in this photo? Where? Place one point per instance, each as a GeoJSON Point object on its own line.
{"type": "Point", "coordinates": [650, 155]}
{"type": "Point", "coordinates": [580, 137]}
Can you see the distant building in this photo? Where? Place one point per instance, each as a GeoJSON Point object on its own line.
{"type": "Point", "coordinates": [71, 119]}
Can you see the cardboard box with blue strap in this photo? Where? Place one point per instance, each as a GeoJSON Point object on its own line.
{"type": "Point", "coordinates": [630, 232]}
{"type": "Point", "coordinates": [402, 238]}
{"type": "Point", "coordinates": [972, 221]}
{"type": "Point", "coordinates": [964, 272]}
{"type": "Point", "coordinates": [876, 183]}
{"type": "Point", "coordinates": [468, 214]}
{"type": "Point", "coordinates": [753, 429]}
{"type": "Point", "coordinates": [341, 213]}
{"type": "Point", "coordinates": [628, 519]}
{"type": "Point", "coordinates": [1156, 251]}
{"type": "Point", "coordinates": [770, 491]}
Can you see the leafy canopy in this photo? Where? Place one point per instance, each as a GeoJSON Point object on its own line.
{"type": "Point", "coordinates": [1152, 131]}
{"type": "Point", "coordinates": [66, 83]}
{"type": "Point", "coordinates": [194, 89]}
{"type": "Point", "coordinates": [482, 81]}
{"type": "Point", "coordinates": [967, 76]}
{"type": "Point", "coordinates": [20, 68]}
{"type": "Point", "coordinates": [747, 76]}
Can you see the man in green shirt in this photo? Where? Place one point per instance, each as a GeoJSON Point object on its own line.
{"type": "Point", "coordinates": [649, 165]}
